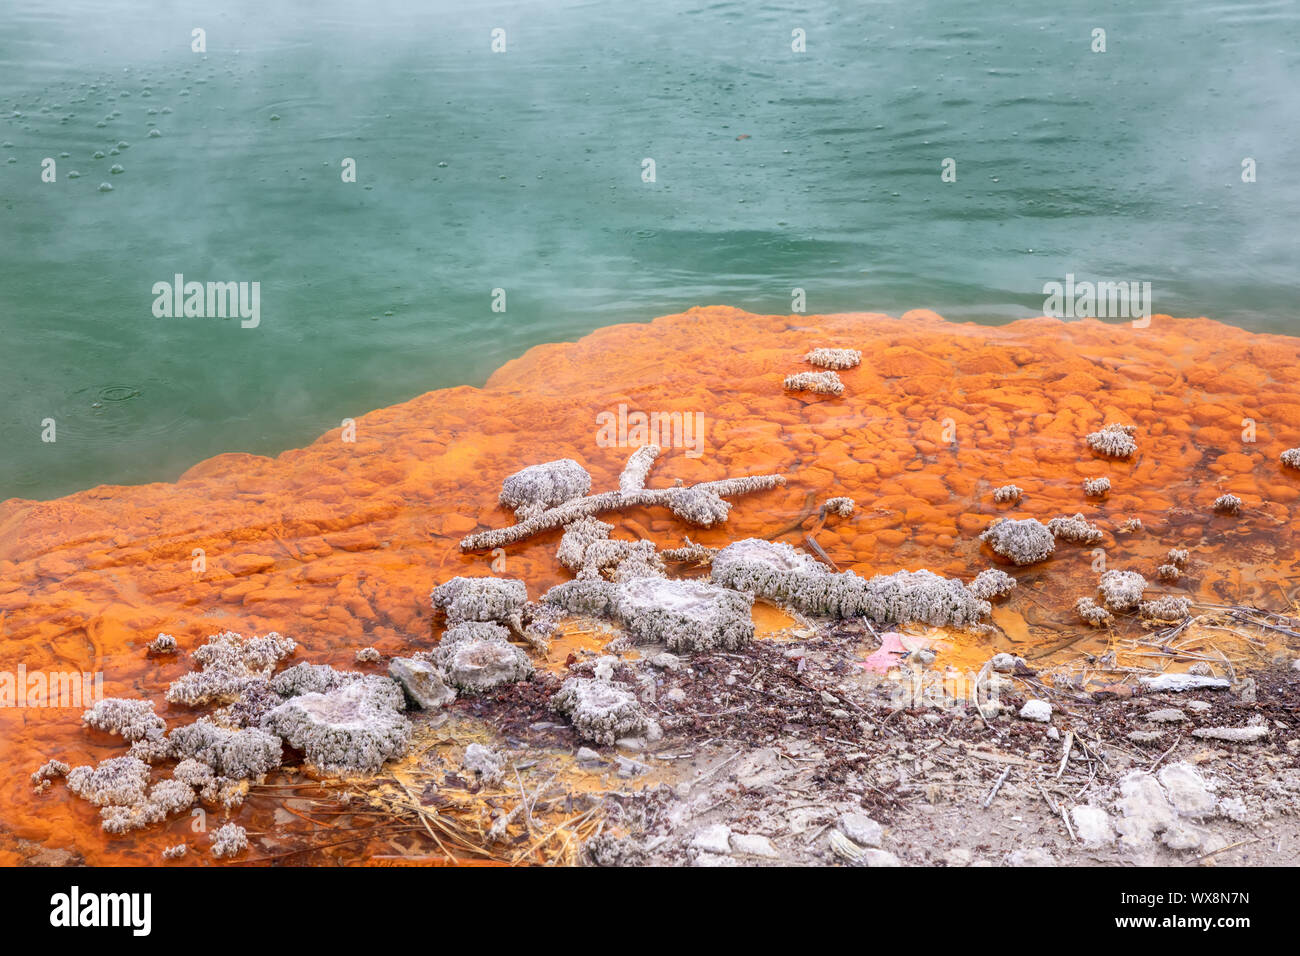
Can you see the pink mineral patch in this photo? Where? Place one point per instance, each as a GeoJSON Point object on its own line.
{"type": "Point", "coordinates": [891, 648]}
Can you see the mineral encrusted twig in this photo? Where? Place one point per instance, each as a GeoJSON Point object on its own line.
{"type": "Point", "coordinates": [601, 710]}
{"type": "Point", "coordinates": [229, 840]}
{"type": "Point", "coordinates": [1167, 608]}
{"type": "Point", "coordinates": [1007, 494]}
{"type": "Point", "coordinates": [1122, 590]}
{"type": "Point", "coordinates": [532, 490]}
{"type": "Point", "coordinates": [1024, 540]}
{"type": "Point", "coordinates": [132, 719]}
{"type": "Point", "coordinates": [637, 468]}
{"type": "Point", "coordinates": [840, 507]}
{"type": "Point", "coordinates": [777, 572]}
{"type": "Point", "coordinates": [690, 553]}
{"type": "Point", "coordinates": [702, 504]}
{"type": "Point", "coordinates": [160, 645]}
{"type": "Point", "coordinates": [229, 664]}
{"type": "Point", "coordinates": [834, 358]}
{"type": "Point", "coordinates": [1077, 529]}
{"type": "Point", "coordinates": [819, 383]}
{"type": "Point", "coordinates": [1096, 487]}
{"type": "Point", "coordinates": [1227, 505]}
{"type": "Point", "coordinates": [991, 583]}
{"type": "Point", "coordinates": [1114, 441]}
{"type": "Point", "coordinates": [1094, 614]}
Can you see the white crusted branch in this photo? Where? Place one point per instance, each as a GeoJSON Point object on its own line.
{"type": "Point", "coordinates": [700, 504]}
{"type": "Point", "coordinates": [637, 467]}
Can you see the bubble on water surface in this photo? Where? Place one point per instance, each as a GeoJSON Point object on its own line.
{"type": "Point", "coordinates": [105, 188]}
{"type": "Point", "coordinates": [118, 393]}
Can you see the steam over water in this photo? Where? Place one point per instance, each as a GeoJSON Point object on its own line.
{"type": "Point", "coordinates": [522, 171]}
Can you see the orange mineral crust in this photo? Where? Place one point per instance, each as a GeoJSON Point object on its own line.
{"type": "Point", "coordinates": [338, 544]}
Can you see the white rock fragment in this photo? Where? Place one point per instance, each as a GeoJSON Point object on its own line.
{"type": "Point", "coordinates": [1036, 710]}
{"type": "Point", "coordinates": [1183, 682]}
{"type": "Point", "coordinates": [715, 838]}
{"type": "Point", "coordinates": [421, 682]}
{"type": "Point", "coordinates": [1030, 856]}
{"type": "Point", "coordinates": [1237, 735]}
{"type": "Point", "coordinates": [1187, 790]}
{"type": "Point", "coordinates": [877, 858]}
{"type": "Point", "coordinates": [486, 763]}
{"type": "Point", "coordinates": [1006, 663]}
{"type": "Point", "coordinates": [753, 844]}
{"type": "Point", "coordinates": [861, 829]}
{"type": "Point", "coordinates": [1164, 806]}
{"type": "Point", "coordinates": [1007, 494]}
{"type": "Point", "coordinates": [1167, 715]}
{"type": "Point", "coordinates": [1092, 825]}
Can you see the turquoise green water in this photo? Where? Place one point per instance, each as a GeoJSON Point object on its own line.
{"type": "Point", "coordinates": [522, 171]}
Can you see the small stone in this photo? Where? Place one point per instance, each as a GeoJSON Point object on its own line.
{"type": "Point", "coordinates": [666, 661]}
{"type": "Point", "coordinates": [713, 859]}
{"type": "Point", "coordinates": [485, 762]}
{"type": "Point", "coordinates": [1167, 715]}
{"type": "Point", "coordinates": [1006, 663]}
{"type": "Point", "coordinates": [753, 844]}
{"type": "Point", "coordinates": [1237, 735]}
{"type": "Point", "coordinates": [1144, 736]}
{"type": "Point", "coordinates": [1036, 710]}
{"type": "Point", "coordinates": [957, 856]}
{"type": "Point", "coordinates": [587, 755]}
{"type": "Point", "coordinates": [878, 858]}
{"type": "Point", "coordinates": [421, 682]}
{"type": "Point", "coordinates": [1199, 706]}
{"type": "Point", "coordinates": [861, 829]}
{"type": "Point", "coordinates": [715, 838]}
{"type": "Point", "coordinates": [1031, 856]}
{"type": "Point", "coordinates": [630, 768]}
{"type": "Point", "coordinates": [1227, 505]}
